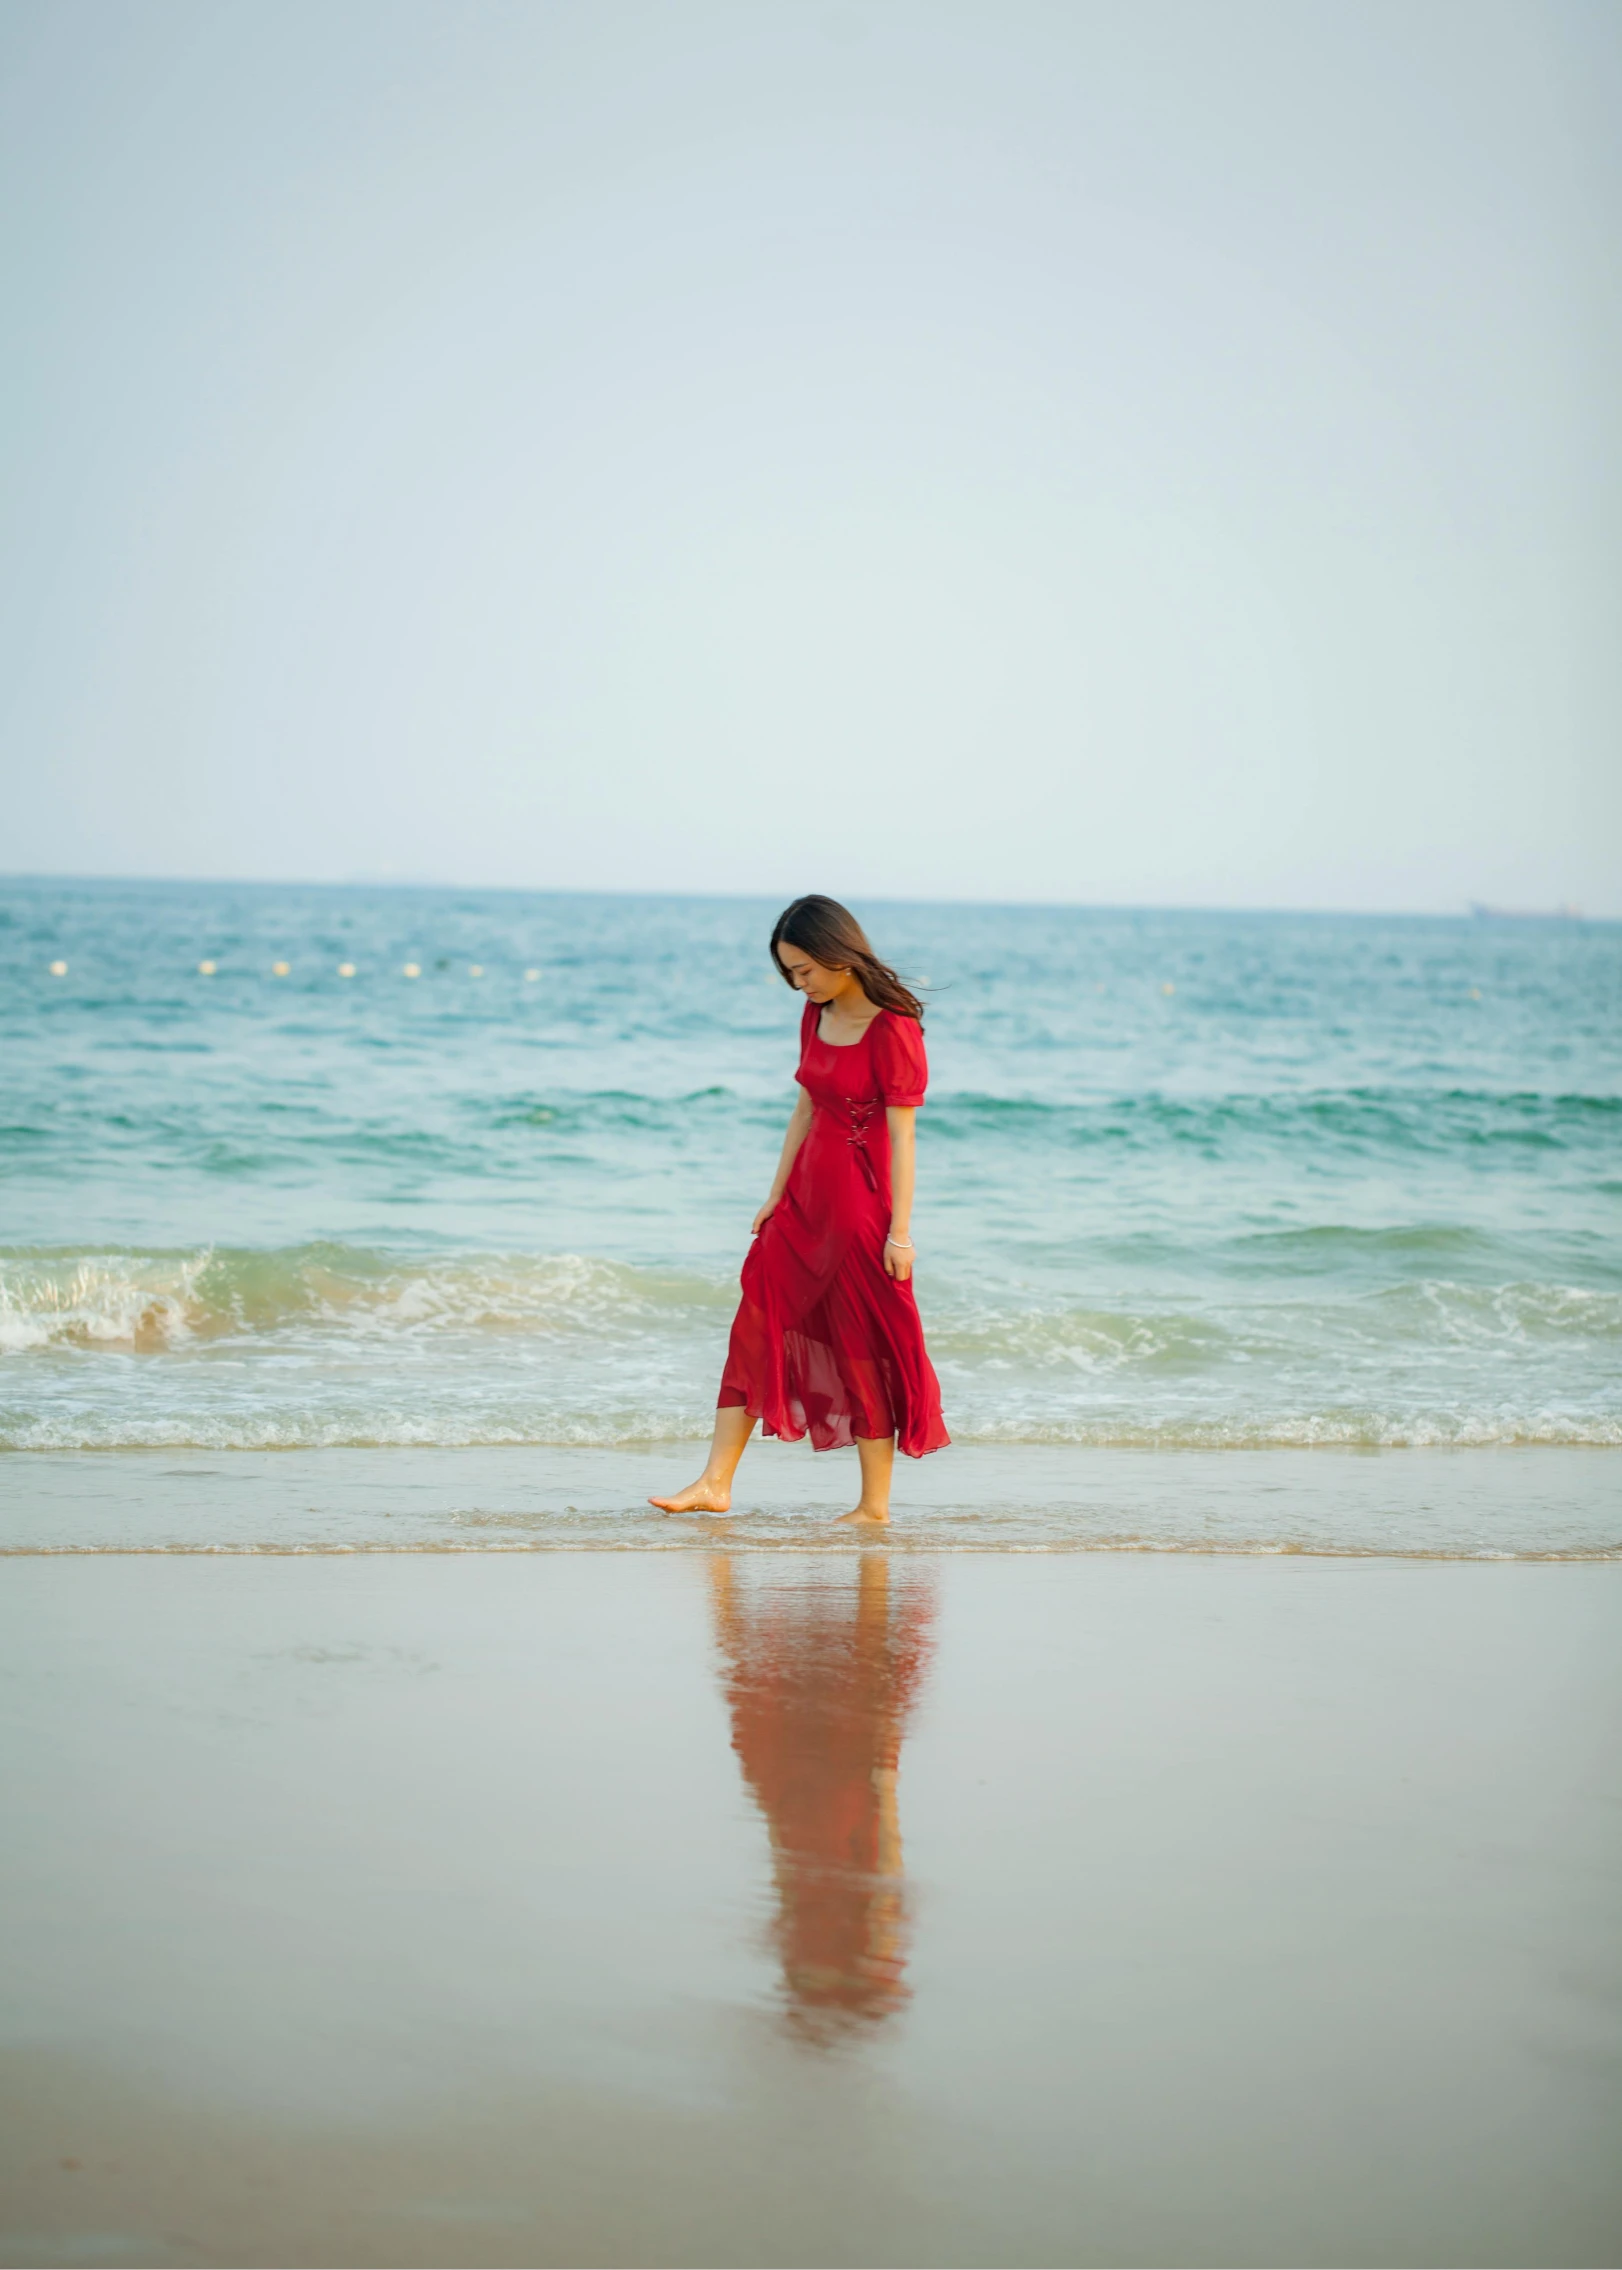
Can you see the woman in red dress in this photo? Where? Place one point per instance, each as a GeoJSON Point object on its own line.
{"type": "Point", "coordinates": [826, 1340]}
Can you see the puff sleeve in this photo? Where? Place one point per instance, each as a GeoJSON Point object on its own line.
{"type": "Point", "coordinates": [899, 1064]}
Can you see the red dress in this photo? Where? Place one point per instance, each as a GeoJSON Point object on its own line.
{"type": "Point", "coordinates": [824, 1339]}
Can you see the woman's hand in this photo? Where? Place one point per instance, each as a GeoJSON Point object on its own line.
{"type": "Point", "coordinates": [799, 1125]}
{"type": "Point", "coordinates": [898, 1258]}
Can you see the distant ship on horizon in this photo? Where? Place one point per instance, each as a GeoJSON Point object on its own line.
{"type": "Point", "coordinates": [1525, 913]}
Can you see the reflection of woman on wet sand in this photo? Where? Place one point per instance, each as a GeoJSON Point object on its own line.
{"type": "Point", "coordinates": [820, 1677]}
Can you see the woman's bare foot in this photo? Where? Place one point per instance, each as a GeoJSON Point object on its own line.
{"type": "Point", "coordinates": [867, 1515]}
{"type": "Point", "coordinates": [699, 1497]}
{"type": "Point", "coordinates": [712, 1492]}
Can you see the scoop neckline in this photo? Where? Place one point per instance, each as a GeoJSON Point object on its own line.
{"type": "Point", "coordinates": [839, 1046]}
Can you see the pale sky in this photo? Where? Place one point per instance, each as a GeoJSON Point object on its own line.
{"type": "Point", "coordinates": [1118, 450]}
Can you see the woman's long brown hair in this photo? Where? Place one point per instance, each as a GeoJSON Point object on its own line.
{"type": "Point", "coordinates": [831, 935]}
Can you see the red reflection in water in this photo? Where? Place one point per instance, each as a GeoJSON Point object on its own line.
{"type": "Point", "coordinates": [820, 1677]}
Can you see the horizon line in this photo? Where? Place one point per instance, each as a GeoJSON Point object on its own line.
{"type": "Point", "coordinates": [1467, 909]}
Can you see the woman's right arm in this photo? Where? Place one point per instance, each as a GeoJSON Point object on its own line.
{"type": "Point", "coordinates": [799, 1127]}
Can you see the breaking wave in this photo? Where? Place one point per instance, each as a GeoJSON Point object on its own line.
{"type": "Point", "coordinates": [324, 1344]}
{"type": "Point", "coordinates": [155, 1301]}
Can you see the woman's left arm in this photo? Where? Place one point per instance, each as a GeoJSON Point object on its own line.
{"type": "Point", "coordinates": [902, 1123]}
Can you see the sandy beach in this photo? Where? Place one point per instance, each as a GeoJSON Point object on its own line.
{"type": "Point", "coordinates": [723, 1905]}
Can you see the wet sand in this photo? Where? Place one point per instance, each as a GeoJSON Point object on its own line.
{"type": "Point", "coordinates": [724, 1906]}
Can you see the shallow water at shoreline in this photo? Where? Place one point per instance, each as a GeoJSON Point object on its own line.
{"type": "Point", "coordinates": [1534, 1504]}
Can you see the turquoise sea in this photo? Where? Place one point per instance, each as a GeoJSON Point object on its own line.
{"type": "Point", "coordinates": [1186, 1178]}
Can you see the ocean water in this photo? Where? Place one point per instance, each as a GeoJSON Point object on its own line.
{"type": "Point", "coordinates": [1186, 1179]}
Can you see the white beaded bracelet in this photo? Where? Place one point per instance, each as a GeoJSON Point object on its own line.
{"type": "Point", "coordinates": [903, 1244]}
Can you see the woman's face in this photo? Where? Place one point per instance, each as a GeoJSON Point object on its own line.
{"type": "Point", "coordinates": [813, 980]}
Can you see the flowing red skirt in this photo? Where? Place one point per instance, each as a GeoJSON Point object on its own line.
{"type": "Point", "coordinates": [825, 1341]}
